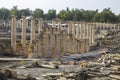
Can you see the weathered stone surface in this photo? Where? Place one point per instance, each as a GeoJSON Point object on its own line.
{"type": "Point", "coordinates": [91, 70]}
{"type": "Point", "coordinates": [115, 76]}
{"type": "Point", "coordinates": [10, 73]}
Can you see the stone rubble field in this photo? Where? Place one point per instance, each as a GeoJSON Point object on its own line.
{"type": "Point", "coordinates": [105, 67]}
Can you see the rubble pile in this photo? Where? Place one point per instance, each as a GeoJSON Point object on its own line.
{"type": "Point", "coordinates": [111, 42]}
{"type": "Point", "coordinates": [5, 47]}
{"type": "Point", "coordinates": [106, 67]}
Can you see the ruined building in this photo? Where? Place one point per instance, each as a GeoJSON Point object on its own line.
{"type": "Point", "coordinates": [54, 38]}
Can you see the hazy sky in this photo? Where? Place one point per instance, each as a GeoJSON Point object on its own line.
{"type": "Point", "coordinates": [62, 4]}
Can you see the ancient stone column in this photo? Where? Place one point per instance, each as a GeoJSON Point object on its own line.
{"type": "Point", "coordinates": [46, 43]}
{"type": "Point", "coordinates": [40, 25]}
{"type": "Point", "coordinates": [32, 38]}
{"type": "Point", "coordinates": [73, 38]}
{"type": "Point", "coordinates": [93, 34]}
{"type": "Point", "coordinates": [43, 52]}
{"type": "Point", "coordinates": [58, 44]}
{"type": "Point", "coordinates": [82, 46]}
{"type": "Point", "coordinates": [23, 34]}
{"type": "Point", "coordinates": [81, 31]}
{"type": "Point", "coordinates": [87, 31]}
{"type": "Point", "coordinates": [59, 26]}
{"type": "Point", "coordinates": [53, 52]}
{"type": "Point", "coordinates": [73, 41]}
{"type": "Point", "coordinates": [61, 44]}
{"type": "Point", "coordinates": [53, 24]}
{"type": "Point", "coordinates": [86, 45]}
{"type": "Point", "coordinates": [90, 34]}
{"type": "Point", "coordinates": [39, 45]}
{"type": "Point", "coordinates": [78, 46]}
{"type": "Point", "coordinates": [13, 33]}
{"type": "Point", "coordinates": [43, 45]}
{"type": "Point", "coordinates": [87, 38]}
{"type": "Point", "coordinates": [77, 31]}
{"type": "Point", "coordinates": [73, 28]}
{"type": "Point", "coordinates": [68, 28]}
{"type": "Point", "coordinates": [68, 44]}
{"type": "Point", "coordinates": [53, 42]}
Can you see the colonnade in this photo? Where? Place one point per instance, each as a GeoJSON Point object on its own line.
{"type": "Point", "coordinates": [60, 38]}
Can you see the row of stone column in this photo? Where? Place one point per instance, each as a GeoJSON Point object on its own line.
{"type": "Point", "coordinates": [82, 31]}
{"type": "Point", "coordinates": [106, 26]}
{"type": "Point", "coordinates": [23, 33]}
{"type": "Point", "coordinates": [52, 45]}
{"type": "Point", "coordinates": [82, 36]}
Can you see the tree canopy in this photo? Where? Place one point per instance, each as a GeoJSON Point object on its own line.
{"type": "Point", "coordinates": [66, 14]}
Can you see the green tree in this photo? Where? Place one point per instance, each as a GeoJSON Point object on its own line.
{"type": "Point", "coordinates": [38, 13]}
{"type": "Point", "coordinates": [107, 16]}
{"type": "Point", "coordinates": [4, 13]}
{"type": "Point", "coordinates": [88, 15]}
{"type": "Point", "coordinates": [65, 15]}
{"type": "Point", "coordinates": [96, 16]}
{"type": "Point", "coordinates": [118, 18]}
{"type": "Point", "coordinates": [62, 15]}
{"type": "Point", "coordinates": [77, 15]}
{"type": "Point", "coordinates": [51, 14]}
{"type": "Point", "coordinates": [14, 11]}
{"type": "Point", "coordinates": [25, 12]}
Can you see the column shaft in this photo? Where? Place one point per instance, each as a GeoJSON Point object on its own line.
{"type": "Point", "coordinates": [32, 30]}
{"type": "Point", "coordinates": [40, 25]}
{"type": "Point", "coordinates": [13, 33]}
{"type": "Point", "coordinates": [23, 35]}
